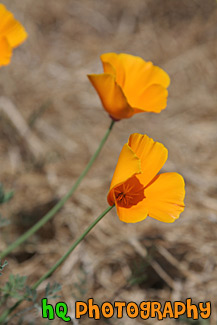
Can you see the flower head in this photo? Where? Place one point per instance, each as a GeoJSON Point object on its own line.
{"type": "Point", "coordinates": [12, 34]}
{"type": "Point", "coordinates": [130, 85]}
{"type": "Point", "coordinates": [137, 190]}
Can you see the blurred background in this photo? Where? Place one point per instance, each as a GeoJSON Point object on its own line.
{"type": "Point", "coordinates": [51, 122]}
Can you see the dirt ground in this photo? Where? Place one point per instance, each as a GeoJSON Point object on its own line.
{"type": "Point", "coordinates": [51, 122]}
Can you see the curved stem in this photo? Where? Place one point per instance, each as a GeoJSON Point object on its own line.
{"type": "Point", "coordinates": [60, 204]}
{"type": "Point", "coordinates": [7, 312]}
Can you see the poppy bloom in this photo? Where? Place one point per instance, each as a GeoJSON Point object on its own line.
{"type": "Point", "coordinates": [12, 34]}
{"type": "Point", "coordinates": [130, 85]}
{"type": "Point", "coordinates": [137, 190]}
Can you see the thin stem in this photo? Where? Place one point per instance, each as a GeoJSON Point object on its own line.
{"type": "Point", "coordinates": [7, 312]}
{"type": "Point", "coordinates": [62, 259]}
{"type": "Point", "coordinates": [60, 204]}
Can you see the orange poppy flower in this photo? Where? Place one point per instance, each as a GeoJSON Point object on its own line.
{"type": "Point", "coordinates": [137, 190]}
{"type": "Point", "coordinates": [12, 34]}
{"type": "Point", "coordinates": [130, 85]}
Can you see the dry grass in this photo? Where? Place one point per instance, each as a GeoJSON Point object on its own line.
{"type": "Point", "coordinates": [46, 86]}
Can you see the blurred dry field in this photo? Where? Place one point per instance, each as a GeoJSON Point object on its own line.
{"type": "Point", "coordinates": [51, 122]}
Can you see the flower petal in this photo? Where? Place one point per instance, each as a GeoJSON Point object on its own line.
{"type": "Point", "coordinates": [142, 73]}
{"type": "Point", "coordinates": [153, 99]}
{"type": "Point", "coordinates": [111, 95]}
{"type": "Point", "coordinates": [11, 28]}
{"type": "Point", "coordinates": [153, 156]}
{"type": "Point", "coordinates": [108, 68]}
{"type": "Point", "coordinates": [113, 60]}
{"type": "Point", "coordinates": [5, 52]}
{"type": "Point", "coordinates": [134, 74]}
{"type": "Point", "coordinates": [128, 165]}
{"type": "Point", "coordinates": [129, 193]}
{"type": "Point", "coordinates": [134, 214]}
{"type": "Point", "coordinates": [165, 197]}
{"type": "Point", "coordinates": [143, 84]}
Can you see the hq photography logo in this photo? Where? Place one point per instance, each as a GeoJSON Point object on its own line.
{"type": "Point", "coordinates": [144, 310]}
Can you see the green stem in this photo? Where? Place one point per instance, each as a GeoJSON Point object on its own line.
{"type": "Point", "coordinates": [7, 312]}
{"type": "Point", "coordinates": [60, 204]}
{"type": "Point", "coordinates": [62, 259]}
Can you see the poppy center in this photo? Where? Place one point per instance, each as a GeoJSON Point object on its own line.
{"type": "Point", "coordinates": [129, 193]}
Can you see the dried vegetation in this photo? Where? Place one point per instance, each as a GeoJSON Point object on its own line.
{"type": "Point", "coordinates": [51, 122]}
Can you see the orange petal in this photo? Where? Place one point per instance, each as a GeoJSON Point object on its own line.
{"type": "Point", "coordinates": [129, 193]}
{"type": "Point", "coordinates": [111, 95]}
{"type": "Point", "coordinates": [153, 99]}
{"type": "Point", "coordinates": [11, 28]}
{"type": "Point", "coordinates": [134, 85]}
{"type": "Point", "coordinates": [108, 68]}
{"type": "Point", "coordinates": [5, 52]}
{"type": "Point", "coordinates": [134, 74]}
{"type": "Point", "coordinates": [158, 76]}
{"type": "Point", "coordinates": [134, 214]}
{"type": "Point", "coordinates": [128, 165]}
{"type": "Point", "coordinates": [165, 197]}
{"type": "Point", "coordinates": [153, 156]}
{"type": "Point", "coordinates": [112, 60]}
{"type": "Point", "coordinates": [142, 73]}
{"type": "Point", "coordinates": [143, 84]}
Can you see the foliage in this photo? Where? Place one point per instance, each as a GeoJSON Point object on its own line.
{"type": "Point", "coordinates": [5, 196]}
{"type": "Point", "coordinates": [13, 288]}
{"type": "Point", "coordinates": [2, 266]}
{"type": "Point", "coordinates": [3, 222]}
{"type": "Point", "coordinates": [16, 289]}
